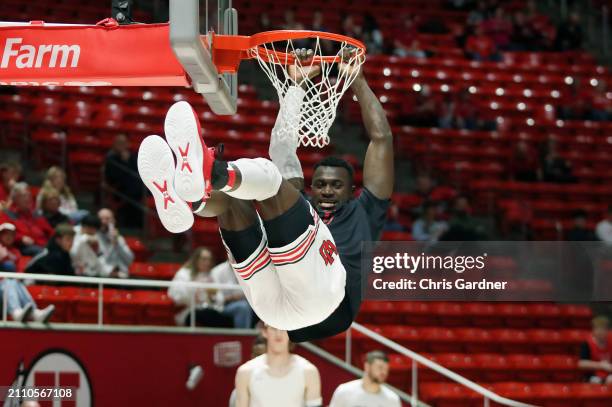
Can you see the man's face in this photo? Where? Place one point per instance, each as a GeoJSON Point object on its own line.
{"type": "Point", "coordinates": [277, 340]}
{"type": "Point", "coordinates": [7, 238]}
{"type": "Point", "coordinates": [65, 242]}
{"type": "Point", "coordinates": [106, 218]}
{"type": "Point", "coordinates": [331, 186]}
{"type": "Point", "coordinates": [600, 333]}
{"type": "Point", "coordinates": [23, 200]}
{"type": "Point", "coordinates": [377, 371]}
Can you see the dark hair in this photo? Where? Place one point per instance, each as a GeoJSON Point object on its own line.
{"type": "Point", "coordinates": [64, 229]}
{"type": "Point", "coordinates": [374, 355]}
{"type": "Point", "coordinates": [91, 221]}
{"type": "Point", "coordinates": [579, 213]}
{"type": "Point", "coordinates": [333, 161]}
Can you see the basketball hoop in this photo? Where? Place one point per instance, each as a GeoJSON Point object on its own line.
{"type": "Point", "coordinates": [275, 53]}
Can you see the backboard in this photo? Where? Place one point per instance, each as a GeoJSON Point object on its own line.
{"type": "Point", "coordinates": [191, 21]}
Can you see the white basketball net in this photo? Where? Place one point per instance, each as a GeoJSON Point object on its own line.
{"type": "Point", "coordinates": [323, 92]}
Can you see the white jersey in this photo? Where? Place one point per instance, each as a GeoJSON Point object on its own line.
{"type": "Point", "coordinates": [352, 394]}
{"type": "Point", "coordinates": [269, 391]}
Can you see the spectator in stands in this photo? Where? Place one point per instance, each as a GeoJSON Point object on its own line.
{"type": "Point", "coordinates": [114, 250]}
{"type": "Point", "coordinates": [392, 223]}
{"type": "Point", "coordinates": [603, 230]}
{"type": "Point", "coordinates": [264, 23]}
{"type": "Point", "coordinates": [55, 259]}
{"type": "Point", "coordinates": [20, 305]}
{"type": "Point", "coordinates": [372, 35]}
{"type": "Point", "coordinates": [234, 303]}
{"type": "Point", "coordinates": [317, 21]}
{"type": "Point", "coordinates": [499, 28]}
{"type": "Point", "coordinates": [525, 36]}
{"type": "Point", "coordinates": [428, 228]}
{"type": "Point", "coordinates": [596, 353]}
{"type": "Point", "coordinates": [579, 231]}
{"type": "Point", "coordinates": [290, 22]}
{"type": "Point", "coordinates": [9, 253]}
{"type": "Point", "coordinates": [555, 168]}
{"type": "Point", "coordinates": [600, 108]}
{"type": "Point", "coordinates": [462, 226]}
{"type": "Point", "coordinates": [411, 49]}
{"type": "Point", "coordinates": [86, 254]}
{"type": "Point", "coordinates": [349, 28]}
{"type": "Point", "coordinates": [569, 34]}
{"type": "Point", "coordinates": [479, 47]}
{"type": "Point", "coordinates": [121, 174]}
{"type": "Point", "coordinates": [208, 302]}
{"type": "Point", "coordinates": [49, 207]}
{"type": "Point", "coordinates": [524, 165]}
{"type": "Point", "coordinates": [9, 175]}
{"type": "Point", "coordinates": [33, 230]}
{"type": "Point", "coordinates": [577, 104]}
{"type": "Point", "coordinates": [56, 180]}
{"type": "Point", "coordinates": [369, 391]}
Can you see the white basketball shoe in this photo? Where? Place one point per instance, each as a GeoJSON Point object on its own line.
{"type": "Point", "coordinates": [157, 170]}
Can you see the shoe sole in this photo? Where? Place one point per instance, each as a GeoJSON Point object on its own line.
{"type": "Point", "coordinates": [156, 169]}
{"type": "Point", "coordinates": [183, 136]}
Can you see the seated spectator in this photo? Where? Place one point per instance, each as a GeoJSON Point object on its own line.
{"type": "Point", "coordinates": [479, 47]}
{"type": "Point", "coordinates": [85, 252]}
{"type": "Point", "coordinates": [428, 228]}
{"type": "Point", "coordinates": [600, 106]}
{"type": "Point", "coordinates": [596, 353]}
{"type": "Point", "coordinates": [569, 34]}
{"type": "Point", "coordinates": [9, 175]}
{"type": "Point", "coordinates": [207, 301]}
{"type": "Point", "coordinates": [56, 180]}
{"type": "Point", "coordinates": [479, 14]}
{"type": "Point", "coordinates": [466, 112]}
{"type": "Point", "coordinates": [55, 258]}
{"type": "Point", "coordinates": [49, 207]}
{"type": "Point", "coordinates": [290, 22]}
{"type": "Point", "coordinates": [524, 165]}
{"type": "Point", "coordinates": [121, 174]}
{"type": "Point", "coordinates": [555, 168]}
{"type": "Point", "coordinates": [603, 230]}
{"type": "Point", "coordinates": [9, 253]}
{"type": "Point", "coordinates": [114, 250]}
{"type": "Point", "coordinates": [392, 223]}
{"type": "Point", "coordinates": [349, 28]}
{"type": "Point", "coordinates": [235, 304]}
{"type": "Point", "coordinates": [462, 226]}
{"type": "Point", "coordinates": [370, 389]}
{"type": "Point", "coordinates": [447, 112]}
{"type": "Point", "coordinates": [264, 23]}
{"type": "Point", "coordinates": [579, 231]}
{"type": "Point", "coordinates": [317, 21]}
{"type": "Point", "coordinates": [20, 305]}
{"type": "Point", "coordinates": [411, 49]}
{"type": "Point", "coordinates": [525, 36]}
{"type": "Point", "coordinates": [33, 230]}
{"type": "Point", "coordinates": [371, 34]}
{"type": "Point", "coordinates": [498, 28]}
{"type": "Point", "coordinates": [577, 105]}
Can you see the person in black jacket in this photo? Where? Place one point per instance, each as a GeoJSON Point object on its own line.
{"type": "Point", "coordinates": [55, 258]}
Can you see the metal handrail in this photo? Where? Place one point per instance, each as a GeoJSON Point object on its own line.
{"type": "Point", "coordinates": [101, 282]}
{"type": "Point", "coordinates": [419, 359]}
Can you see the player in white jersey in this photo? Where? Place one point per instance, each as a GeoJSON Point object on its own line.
{"type": "Point", "coordinates": [278, 378]}
{"type": "Point", "coordinates": [368, 391]}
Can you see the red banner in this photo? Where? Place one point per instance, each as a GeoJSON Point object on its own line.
{"type": "Point", "coordinates": [86, 55]}
{"type": "Point", "coordinates": [136, 368]}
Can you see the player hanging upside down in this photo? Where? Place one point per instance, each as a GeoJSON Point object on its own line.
{"type": "Point", "coordinates": [297, 260]}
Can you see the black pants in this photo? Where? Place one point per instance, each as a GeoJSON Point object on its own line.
{"type": "Point", "coordinates": [211, 318]}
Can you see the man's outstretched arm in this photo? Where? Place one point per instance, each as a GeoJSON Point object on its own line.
{"type": "Point", "coordinates": [378, 172]}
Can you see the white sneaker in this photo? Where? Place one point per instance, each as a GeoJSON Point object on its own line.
{"type": "Point", "coordinates": [23, 314]}
{"type": "Point", "coordinates": [156, 168]}
{"type": "Point", "coordinates": [182, 129]}
{"type": "Point", "coordinates": [43, 315]}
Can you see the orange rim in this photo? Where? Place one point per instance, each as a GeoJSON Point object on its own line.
{"type": "Point", "coordinates": [250, 46]}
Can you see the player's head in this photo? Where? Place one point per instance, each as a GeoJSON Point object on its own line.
{"type": "Point", "coordinates": [376, 366]}
{"type": "Point", "coordinates": [277, 341]}
{"type": "Point", "coordinates": [64, 236]}
{"type": "Point", "coordinates": [332, 183]}
{"type": "Point", "coordinates": [600, 328]}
